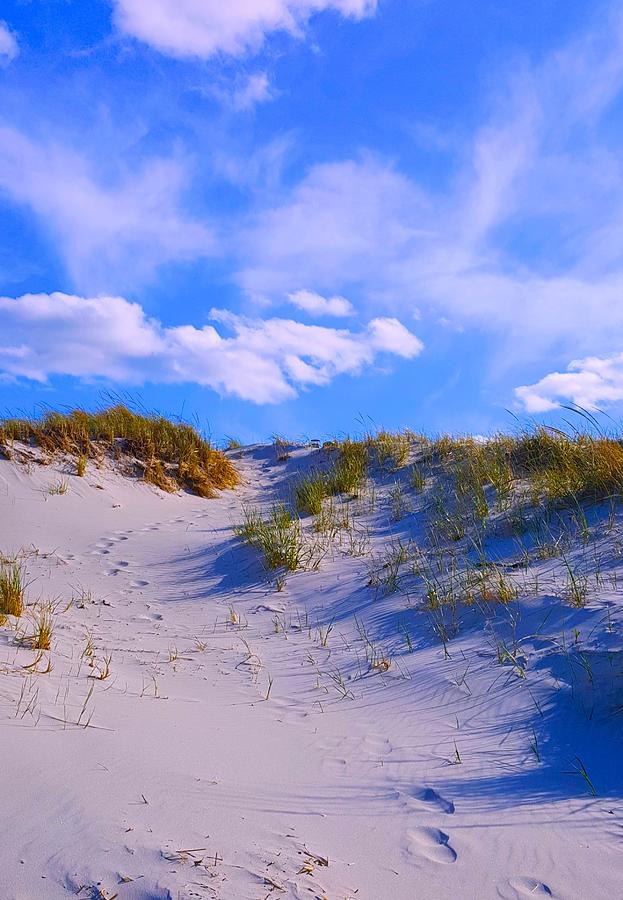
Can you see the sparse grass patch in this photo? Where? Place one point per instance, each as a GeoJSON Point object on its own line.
{"type": "Point", "coordinates": [397, 502]}
{"type": "Point", "coordinates": [332, 519]}
{"type": "Point", "coordinates": [576, 587]}
{"type": "Point", "coordinates": [391, 449]}
{"type": "Point", "coordinates": [58, 487]}
{"type": "Point", "coordinates": [496, 587]}
{"type": "Point", "coordinates": [42, 628]}
{"type": "Point", "coordinates": [281, 445]}
{"type": "Point", "coordinates": [417, 478]}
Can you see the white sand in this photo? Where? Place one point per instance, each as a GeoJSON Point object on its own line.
{"type": "Point", "coordinates": [188, 783]}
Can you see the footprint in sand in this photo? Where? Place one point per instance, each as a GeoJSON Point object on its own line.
{"type": "Point", "coordinates": [112, 571]}
{"type": "Point", "coordinates": [430, 843]}
{"type": "Point", "coordinates": [123, 563]}
{"type": "Point", "coordinates": [375, 747]}
{"type": "Point", "coordinates": [102, 548]}
{"type": "Point", "coordinates": [138, 583]}
{"type": "Point", "coordinates": [431, 798]}
{"type": "Point", "coordinates": [529, 887]}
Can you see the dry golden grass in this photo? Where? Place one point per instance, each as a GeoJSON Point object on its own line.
{"type": "Point", "coordinates": [42, 628]}
{"type": "Point", "coordinates": [81, 465]}
{"type": "Point", "coordinates": [12, 589]}
{"type": "Point", "coordinates": [391, 449]}
{"type": "Point", "coordinates": [556, 466]}
{"type": "Point", "coordinates": [172, 455]}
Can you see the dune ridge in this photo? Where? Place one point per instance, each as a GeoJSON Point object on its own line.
{"type": "Point", "coordinates": [389, 668]}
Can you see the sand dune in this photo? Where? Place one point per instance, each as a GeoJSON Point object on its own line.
{"type": "Point", "coordinates": [196, 733]}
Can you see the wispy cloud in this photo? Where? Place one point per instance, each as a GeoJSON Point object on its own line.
{"type": "Point", "coordinates": [523, 244]}
{"type": "Point", "coordinates": [255, 90]}
{"type": "Point", "coordinates": [353, 221]}
{"type": "Point", "coordinates": [108, 233]}
{"type": "Point", "coordinates": [9, 48]}
{"type": "Point", "coordinates": [244, 93]}
{"type": "Point", "coordinates": [203, 28]}
{"type": "Point", "coordinates": [265, 361]}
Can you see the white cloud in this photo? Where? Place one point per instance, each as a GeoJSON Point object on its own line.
{"type": "Point", "coordinates": [265, 361]}
{"type": "Point", "coordinates": [347, 221]}
{"type": "Point", "coordinates": [202, 28]}
{"type": "Point", "coordinates": [590, 383]}
{"type": "Point", "coordinates": [9, 48]}
{"type": "Point", "coordinates": [108, 233]}
{"type": "Point", "coordinates": [317, 305]}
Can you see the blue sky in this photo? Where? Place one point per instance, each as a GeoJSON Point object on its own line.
{"type": "Point", "coordinates": [313, 216]}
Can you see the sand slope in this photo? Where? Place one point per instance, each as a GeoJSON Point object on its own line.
{"type": "Point", "coordinates": [377, 767]}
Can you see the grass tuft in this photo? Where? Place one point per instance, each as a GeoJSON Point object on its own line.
{"type": "Point", "coordinates": [42, 629]}
{"type": "Point", "coordinates": [392, 449]}
{"type": "Point", "coordinates": [309, 493]}
{"type": "Point", "coordinates": [279, 537]}
{"type": "Point", "coordinates": [12, 588]}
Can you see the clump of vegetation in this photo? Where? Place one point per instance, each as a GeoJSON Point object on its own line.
{"type": "Point", "coordinates": [279, 537]}
{"type": "Point", "coordinates": [417, 478]}
{"type": "Point", "coordinates": [81, 465]}
{"type": "Point", "coordinates": [12, 588]}
{"type": "Point", "coordinates": [332, 519]}
{"type": "Point", "coordinates": [309, 493]}
{"type": "Point", "coordinates": [350, 468]}
{"type": "Point", "coordinates": [43, 626]}
{"type": "Point", "coordinates": [156, 474]}
{"type": "Point", "coordinates": [282, 451]}
{"type": "Point", "coordinates": [345, 476]}
{"type": "Point", "coordinates": [171, 455]}
{"type": "Point", "coordinates": [59, 487]}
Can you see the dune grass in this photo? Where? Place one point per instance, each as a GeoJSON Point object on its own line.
{"type": "Point", "coordinates": [391, 449]}
{"type": "Point", "coordinates": [172, 455]}
{"type": "Point", "coordinates": [344, 476]}
{"type": "Point", "coordinates": [81, 465]}
{"type": "Point", "coordinates": [12, 588]}
{"type": "Point", "coordinates": [310, 491]}
{"type": "Point", "coordinates": [278, 537]}
{"type": "Point", "coordinates": [42, 628]}
{"type": "Point", "coordinates": [59, 487]}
